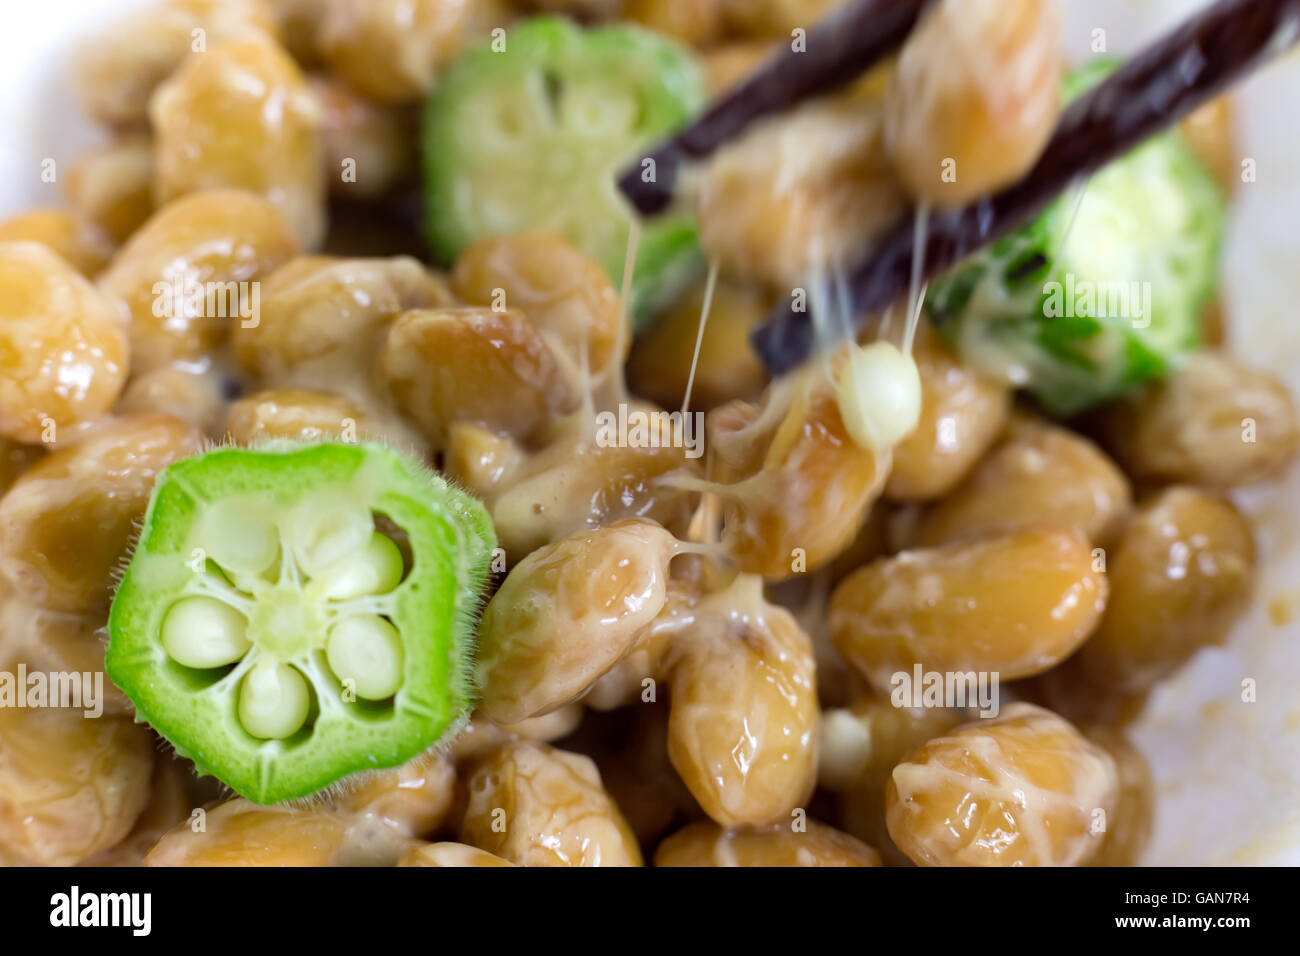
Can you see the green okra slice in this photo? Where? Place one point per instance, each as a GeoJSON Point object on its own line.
{"type": "Point", "coordinates": [530, 136]}
{"type": "Point", "coordinates": [296, 613]}
{"type": "Point", "coordinates": [1098, 294]}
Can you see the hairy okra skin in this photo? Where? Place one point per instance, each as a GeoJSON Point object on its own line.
{"type": "Point", "coordinates": [296, 613]}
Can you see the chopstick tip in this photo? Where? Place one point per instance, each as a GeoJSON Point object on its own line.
{"type": "Point", "coordinates": [649, 188]}
{"type": "Point", "coordinates": [783, 341]}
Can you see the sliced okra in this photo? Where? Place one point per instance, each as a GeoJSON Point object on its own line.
{"type": "Point", "coordinates": [276, 635]}
{"type": "Point", "coordinates": [529, 136]}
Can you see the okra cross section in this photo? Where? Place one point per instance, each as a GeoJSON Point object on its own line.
{"type": "Point", "coordinates": [296, 613]}
{"type": "Point", "coordinates": [526, 133]}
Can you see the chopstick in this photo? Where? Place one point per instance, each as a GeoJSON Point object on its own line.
{"type": "Point", "coordinates": [1150, 92]}
{"type": "Point", "coordinates": [838, 50]}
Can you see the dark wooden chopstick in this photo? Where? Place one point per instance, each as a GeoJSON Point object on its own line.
{"type": "Point", "coordinates": [839, 50]}
{"type": "Point", "coordinates": [1147, 94]}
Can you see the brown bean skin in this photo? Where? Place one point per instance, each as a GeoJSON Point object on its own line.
{"type": "Point", "coordinates": [451, 854]}
{"type": "Point", "coordinates": [481, 460]}
{"type": "Point", "coordinates": [69, 786]}
{"type": "Point", "coordinates": [241, 833]}
{"type": "Point", "coordinates": [15, 459]}
{"type": "Point", "coordinates": [474, 365]}
{"type": "Point", "coordinates": [1209, 131]}
{"type": "Point", "coordinates": [862, 743]}
{"type": "Point", "coordinates": [1128, 831]}
{"type": "Point", "coordinates": [861, 746]}
{"type": "Point", "coordinates": [775, 18]}
{"type": "Point", "coordinates": [1181, 572]}
{"type": "Point", "coordinates": [1022, 789]}
{"type": "Point", "coordinates": [625, 683]}
{"type": "Point", "coordinates": [568, 613]}
{"type": "Point", "coordinates": [638, 773]}
{"type": "Point", "coordinates": [58, 642]}
{"type": "Point", "coordinates": [368, 150]}
{"type": "Point", "coordinates": [742, 730]}
{"type": "Point", "coordinates": [1067, 690]}
{"type": "Point", "coordinates": [481, 736]}
{"type": "Point", "coordinates": [316, 309]}
{"type": "Point", "coordinates": [415, 798]}
{"type": "Point", "coordinates": [661, 361]}
{"type": "Point", "coordinates": [112, 186]}
{"type": "Point", "coordinates": [799, 192]}
{"type": "Point", "coordinates": [295, 413]}
{"type": "Point", "coordinates": [975, 97]}
{"type": "Point", "coordinates": [171, 798]}
{"type": "Point", "coordinates": [796, 485]}
{"type": "Point", "coordinates": [574, 483]}
{"type": "Point", "coordinates": [191, 391]}
{"type": "Point", "coordinates": [63, 346]}
{"type": "Point", "coordinates": [707, 844]}
{"type": "Point", "coordinates": [67, 523]}
{"type": "Point", "coordinates": [726, 66]}
{"type": "Point", "coordinates": [216, 236]}
{"type": "Point", "coordinates": [1214, 331]}
{"type": "Point", "coordinates": [961, 416]}
{"type": "Point", "coordinates": [1015, 605]}
{"type": "Point", "coordinates": [79, 243]}
{"type": "Point", "coordinates": [298, 25]}
{"type": "Point", "coordinates": [567, 295]}
{"type": "Point", "coordinates": [1045, 476]}
{"type": "Point", "coordinates": [392, 50]}
{"type": "Point", "coordinates": [537, 806]}
{"type": "Point", "coordinates": [241, 116]}
{"type": "Point", "coordinates": [1215, 422]}
{"type": "Point", "coordinates": [595, 10]}
{"type": "Point", "coordinates": [695, 22]}
{"type": "Point", "coordinates": [118, 69]}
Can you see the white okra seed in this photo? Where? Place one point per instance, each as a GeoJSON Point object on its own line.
{"type": "Point", "coordinates": [326, 527]}
{"type": "Point", "coordinates": [240, 535]}
{"type": "Point", "coordinates": [598, 111]}
{"type": "Point", "coordinates": [845, 751]}
{"type": "Point", "coordinates": [879, 395]}
{"type": "Point", "coordinates": [273, 701]}
{"type": "Point", "coordinates": [204, 632]}
{"type": "Point", "coordinates": [367, 650]}
{"type": "Point", "coordinates": [377, 569]}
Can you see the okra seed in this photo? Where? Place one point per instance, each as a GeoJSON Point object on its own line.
{"type": "Point", "coordinates": [367, 650]}
{"type": "Point", "coordinates": [597, 112]}
{"type": "Point", "coordinates": [326, 528]}
{"type": "Point", "coordinates": [377, 569]}
{"type": "Point", "coordinates": [203, 632]}
{"type": "Point", "coordinates": [845, 751]}
{"type": "Point", "coordinates": [240, 535]}
{"type": "Point", "coordinates": [273, 701]}
{"type": "Point", "coordinates": [879, 395]}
